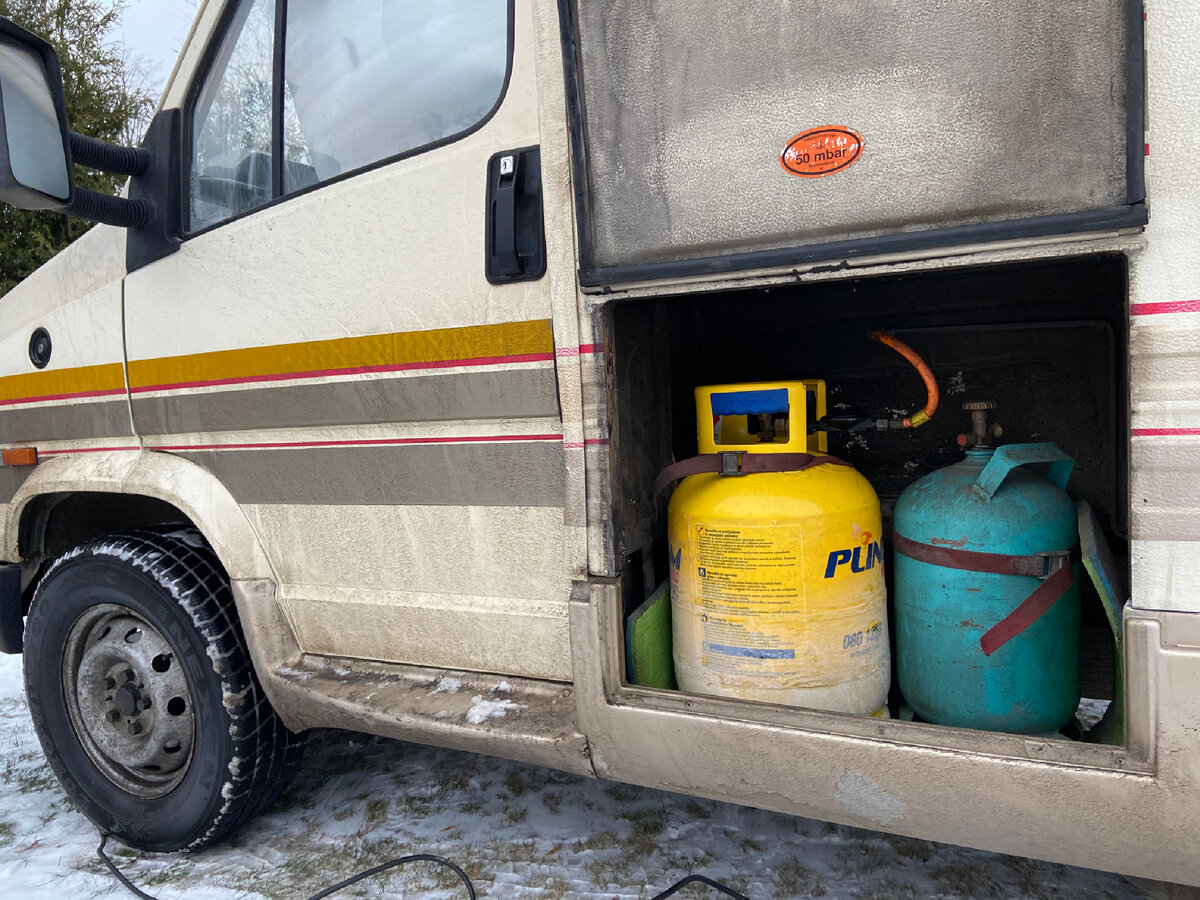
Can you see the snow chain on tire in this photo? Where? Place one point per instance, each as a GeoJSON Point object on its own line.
{"type": "Point", "coordinates": [127, 637]}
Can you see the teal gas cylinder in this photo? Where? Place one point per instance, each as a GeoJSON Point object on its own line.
{"type": "Point", "coordinates": [945, 523]}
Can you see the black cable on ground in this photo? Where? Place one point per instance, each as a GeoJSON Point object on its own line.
{"type": "Point", "coordinates": [391, 864]}
{"type": "Point", "coordinates": [133, 889]}
{"type": "Point", "coordinates": [416, 857]}
{"type": "Point", "coordinates": [700, 879]}
{"type": "Point", "coordinates": [354, 879]}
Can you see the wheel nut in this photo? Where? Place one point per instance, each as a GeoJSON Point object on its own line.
{"type": "Point", "coordinates": [128, 675]}
{"type": "Point", "coordinates": [135, 728]}
{"type": "Point", "coordinates": [110, 683]}
{"type": "Point", "coordinates": [112, 715]}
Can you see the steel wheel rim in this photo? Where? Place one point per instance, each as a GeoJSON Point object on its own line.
{"type": "Point", "coordinates": [128, 700]}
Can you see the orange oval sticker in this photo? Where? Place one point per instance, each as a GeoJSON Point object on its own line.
{"type": "Point", "coordinates": [821, 151]}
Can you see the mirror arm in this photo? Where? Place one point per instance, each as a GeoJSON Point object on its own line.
{"type": "Point", "coordinates": [108, 210]}
{"type": "Point", "coordinates": [97, 154]}
{"type": "Point", "coordinates": [95, 206]}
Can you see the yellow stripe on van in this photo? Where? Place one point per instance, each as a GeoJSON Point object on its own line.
{"type": "Point", "coordinates": [441, 346]}
{"type": "Point", "coordinates": [83, 381]}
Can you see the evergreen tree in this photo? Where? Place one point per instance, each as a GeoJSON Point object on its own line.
{"type": "Point", "coordinates": [102, 100]}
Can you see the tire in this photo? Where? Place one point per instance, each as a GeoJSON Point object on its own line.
{"type": "Point", "coordinates": [143, 695]}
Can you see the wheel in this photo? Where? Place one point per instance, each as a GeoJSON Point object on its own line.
{"type": "Point", "coordinates": [143, 695]}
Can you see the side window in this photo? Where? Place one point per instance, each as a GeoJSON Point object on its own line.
{"type": "Point", "coordinates": [367, 79]}
{"type": "Point", "coordinates": [362, 81]}
{"type": "Point", "coordinates": [231, 122]}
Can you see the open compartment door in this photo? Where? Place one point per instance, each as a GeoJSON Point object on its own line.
{"type": "Point", "coordinates": [723, 137]}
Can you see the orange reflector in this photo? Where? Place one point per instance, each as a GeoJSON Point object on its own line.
{"type": "Point", "coordinates": [20, 456]}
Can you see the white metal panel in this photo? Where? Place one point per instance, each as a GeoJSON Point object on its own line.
{"type": "Point", "coordinates": [394, 250]}
{"type": "Point", "coordinates": [1165, 322]}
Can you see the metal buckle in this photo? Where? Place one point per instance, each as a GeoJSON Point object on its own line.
{"type": "Point", "coordinates": [1052, 561]}
{"type": "Point", "coordinates": [731, 462]}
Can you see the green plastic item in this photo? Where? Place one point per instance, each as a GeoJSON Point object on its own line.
{"type": "Point", "coordinates": [1106, 577]}
{"type": "Point", "coordinates": [648, 642]}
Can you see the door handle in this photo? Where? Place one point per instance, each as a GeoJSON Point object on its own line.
{"type": "Point", "coordinates": [516, 237]}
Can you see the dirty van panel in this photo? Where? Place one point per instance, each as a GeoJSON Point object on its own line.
{"type": "Point", "coordinates": [805, 126]}
{"type": "Point", "coordinates": [325, 342]}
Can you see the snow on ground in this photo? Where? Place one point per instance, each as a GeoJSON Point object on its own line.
{"type": "Point", "coordinates": [519, 831]}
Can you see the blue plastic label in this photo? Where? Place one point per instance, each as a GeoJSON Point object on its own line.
{"type": "Point", "coordinates": [750, 403]}
{"type": "Point", "coordinates": [752, 652]}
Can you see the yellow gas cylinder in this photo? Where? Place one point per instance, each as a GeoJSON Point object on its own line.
{"type": "Point", "coordinates": [777, 590]}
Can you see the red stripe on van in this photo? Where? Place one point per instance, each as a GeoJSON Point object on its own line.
{"type": "Point", "coordinates": [1171, 306]}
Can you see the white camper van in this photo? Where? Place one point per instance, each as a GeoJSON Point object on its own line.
{"type": "Point", "coordinates": [368, 376]}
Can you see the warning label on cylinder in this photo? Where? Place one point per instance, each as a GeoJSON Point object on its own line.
{"type": "Point", "coordinates": [747, 579]}
{"type": "Point", "coordinates": [744, 613]}
{"type": "Point", "coordinates": [740, 568]}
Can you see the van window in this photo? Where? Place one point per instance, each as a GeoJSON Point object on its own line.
{"type": "Point", "coordinates": [231, 123]}
{"type": "Point", "coordinates": [362, 81]}
{"type": "Point", "coordinates": [367, 79]}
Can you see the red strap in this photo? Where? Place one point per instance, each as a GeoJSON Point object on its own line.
{"type": "Point", "coordinates": [1031, 608]}
{"type": "Point", "coordinates": [1046, 595]}
{"type": "Point", "coordinates": [972, 560]}
{"type": "Point", "coordinates": [747, 464]}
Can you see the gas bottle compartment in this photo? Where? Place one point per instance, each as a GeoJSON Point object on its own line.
{"type": "Point", "coordinates": [1038, 349]}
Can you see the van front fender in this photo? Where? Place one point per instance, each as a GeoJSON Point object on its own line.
{"type": "Point", "coordinates": [147, 473]}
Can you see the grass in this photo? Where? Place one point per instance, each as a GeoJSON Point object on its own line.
{"type": "Point", "coordinates": [1031, 876]}
{"type": "Point", "coordinates": [514, 814]}
{"type": "Point", "coordinates": [447, 878]}
{"type": "Point", "coordinates": [28, 772]}
{"type": "Point", "coordinates": [912, 848]}
{"type": "Point", "coordinates": [793, 878]}
{"type": "Point", "coordinates": [515, 783]}
{"type": "Point", "coordinates": [454, 773]}
{"type": "Point", "coordinates": [59, 806]}
{"type": "Point", "coordinates": [601, 840]}
{"type": "Point", "coordinates": [376, 811]}
{"type": "Point", "coordinates": [635, 848]}
{"type": "Point", "coordinates": [646, 825]}
{"type": "Point", "coordinates": [895, 889]}
{"type": "Point", "coordinates": [556, 888]}
{"type": "Point", "coordinates": [609, 870]}
{"type": "Point", "coordinates": [515, 851]}
{"type": "Point", "coordinates": [967, 880]}
{"type": "Point", "coordinates": [867, 858]}
{"type": "Point", "coordinates": [302, 873]}
{"type": "Point", "coordinates": [623, 793]}
{"type": "Point", "coordinates": [697, 810]}
{"type": "Point", "coordinates": [417, 807]}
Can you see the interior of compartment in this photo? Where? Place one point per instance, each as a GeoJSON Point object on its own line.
{"type": "Point", "coordinates": [1045, 341]}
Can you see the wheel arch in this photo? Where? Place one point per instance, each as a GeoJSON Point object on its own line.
{"type": "Point", "coordinates": [80, 496]}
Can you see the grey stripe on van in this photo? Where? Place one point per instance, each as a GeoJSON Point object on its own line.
{"type": "Point", "coordinates": [65, 421]}
{"type": "Point", "coordinates": [517, 473]}
{"type": "Point", "coordinates": [506, 394]}
{"type": "Point", "coordinates": [11, 479]}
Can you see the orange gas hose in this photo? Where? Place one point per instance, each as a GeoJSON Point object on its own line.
{"type": "Point", "coordinates": [913, 357]}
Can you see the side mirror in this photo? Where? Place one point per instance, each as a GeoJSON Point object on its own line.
{"type": "Point", "coordinates": [37, 149]}
{"type": "Point", "coordinates": [35, 155]}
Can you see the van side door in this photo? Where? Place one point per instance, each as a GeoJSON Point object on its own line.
{"type": "Point", "coordinates": [333, 341]}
